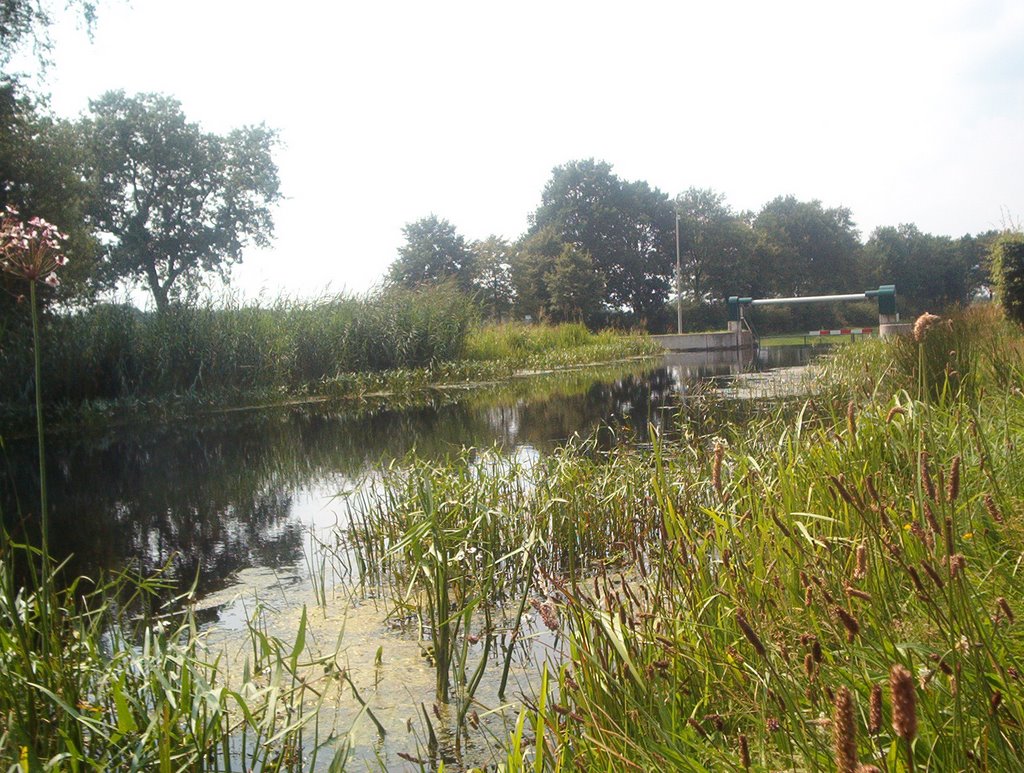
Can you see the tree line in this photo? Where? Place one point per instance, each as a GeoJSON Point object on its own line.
{"type": "Point", "coordinates": [603, 249]}
{"type": "Point", "coordinates": [145, 196]}
{"type": "Point", "coordinates": [148, 198]}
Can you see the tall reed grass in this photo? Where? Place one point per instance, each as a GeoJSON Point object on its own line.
{"type": "Point", "coordinates": [826, 584]}
{"type": "Point", "coordinates": [114, 352]}
{"type": "Point", "coordinates": [832, 589]}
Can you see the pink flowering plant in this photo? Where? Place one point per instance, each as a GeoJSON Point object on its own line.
{"type": "Point", "coordinates": [31, 250]}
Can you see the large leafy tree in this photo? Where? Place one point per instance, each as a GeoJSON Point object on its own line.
{"type": "Point", "coordinates": [433, 252]}
{"type": "Point", "coordinates": [626, 227]}
{"type": "Point", "coordinates": [492, 276]}
{"type": "Point", "coordinates": [805, 249]}
{"type": "Point", "coordinates": [716, 247]}
{"type": "Point", "coordinates": [529, 271]}
{"type": "Point", "coordinates": [575, 287]}
{"type": "Point", "coordinates": [173, 203]}
{"type": "Point", "coordinates": [930, 272]}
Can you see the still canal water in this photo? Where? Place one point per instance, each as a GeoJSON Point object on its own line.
{"type": "Point", "coordinates": [233, 501]}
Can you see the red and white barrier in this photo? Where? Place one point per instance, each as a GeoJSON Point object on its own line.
{"type": "Point", "coordinates": [846, 331]}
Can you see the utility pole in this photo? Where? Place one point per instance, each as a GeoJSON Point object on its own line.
{"type": "Point", "coordinates": [679, 283]}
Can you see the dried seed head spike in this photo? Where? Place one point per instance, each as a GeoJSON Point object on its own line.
{"type": "Point", "coordinates": [844, 732]}
{"type": "Point", "coordinates": [904, 702]}
{"type": "Point", "coordinates": [809, 666]}
{"type": "Point", "coordinates": [849, 622]}
{"type": "Point", "coordinates": [875, 712]}
{"type": "Point", "coordinates": [696, 726]}
{"type": "Point", "coordinates": [957, 562]}
{"type": "Point", "coordinates": [861, 569]}
{"type": "Point", "coordinates": [1004, 607]}
{"type": "Point", "coordinates": [744, 752]}
{"type": "Point", "coordinates": [922, 324]}
{"type": "Point", "coordinates": [929, 515]}
{"type": "Point", "coordinates": [893, 413]}
{"type": "Point", "coordinates": [752, 637]}
{"type": "Point", "coordinates": [994, 701]}
{"type": "Point", "coordinates": [868, 769]}
{"type": "Point", "coordinates": [816, 651]}
{"type": "Point", "coordinates": [926, 478]}
{"type": "Point", "coordinates": [993, 510]}
{"type": "Point", "coordinates": [857, 593]}
{"type": "Point", "coordinates": [916, 579]}
{"type": "Point", "coordinates": [953, 484]}
{"type": "Point", "coordinates": [851, 420]}
{"type": "Point", "coordinates": [948, 532]}
{"type": "Point", "coordinates": [930, 571]}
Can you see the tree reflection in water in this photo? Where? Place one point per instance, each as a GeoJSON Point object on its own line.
{"type": "Point", "coordinates": [215, 495]}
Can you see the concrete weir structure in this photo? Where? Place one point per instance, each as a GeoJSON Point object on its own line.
{"type": "Point", "coordinates": [725, 340]}
{"type": "Point", "coordinates": [740, 336]}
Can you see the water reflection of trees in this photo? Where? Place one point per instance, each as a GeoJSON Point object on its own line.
{"type": "Point", "coordinates": [215, 495]}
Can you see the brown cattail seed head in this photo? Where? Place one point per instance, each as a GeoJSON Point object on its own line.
{"type": "Point", "coordinates": [844, 730]}
{"type": "Point", "coordinates": [744, 752]}
{"type": "Point", "coordinates": [953, 484]}
{"type": "Point", "coordinates": [875, 713]}
{"type": "Point", "coordinates": [904, 702]}
{"type": "Point", "coordinates": [926, 478]}
{"type": "Point", "coordinates": [851, 420]}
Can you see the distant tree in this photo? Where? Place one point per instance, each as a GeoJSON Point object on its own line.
{"type": "Point", "coordinates": [173, 203]}
{"type": "Point", "coordinates": [716, 247]}
{"type": "Point", "coordinates": [627, 228]}
{"type": "Point", "coordinates": [531, 265]}
{"type": "Point", "coordinates": [1008, 274]}
{"type": "Point", "coordinates": [492, 279]}
{"type": "Point", "coordinates": [433, 252]}
{"type": "Point", "coordinates": [805, 249]}
{"type": "Point", "coordinates": [575, 287]}
{"type": "Point", "coordinates": [930, 272]}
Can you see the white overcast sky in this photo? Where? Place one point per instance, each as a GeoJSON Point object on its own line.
{"type": "Point", "coordinates": [901, 111]}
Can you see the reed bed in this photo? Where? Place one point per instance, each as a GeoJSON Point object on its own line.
{"type": "Point", "coordinates": [393, 341]}
{"type": "Point", "coordinates": [832, 590]}
{"type": "Point", "coordinates": [829, 584]}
